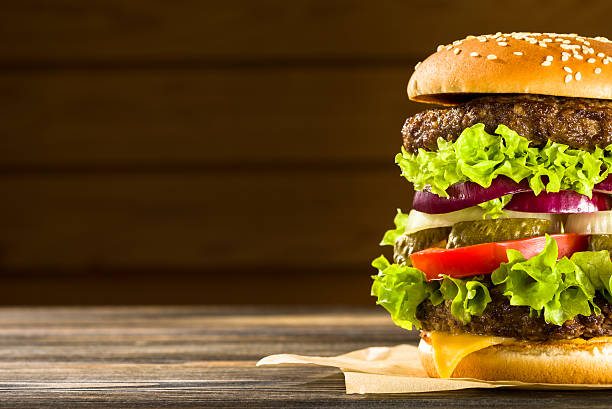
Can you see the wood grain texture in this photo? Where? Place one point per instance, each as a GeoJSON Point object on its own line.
{"type": "Point", "coordinates": [205, 119]}
{"type": "Point", "coordinates": [278, 219]}
{"type": "Point", "coordinates": [69, 32]}
{"type": "Point", "coordinates": [205, 357]}
{"type": "Point", "coordinates": [150, 148]}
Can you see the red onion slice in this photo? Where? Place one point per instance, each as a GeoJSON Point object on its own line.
{"type": "Point", "coordinates": [566, 201]}
{"type": "Point", "coordinates": [605, 186]}
{"type": "Point", "coordinates": [466, 194]}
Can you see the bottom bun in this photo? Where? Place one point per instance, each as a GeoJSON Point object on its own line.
{"type": "Point", "coordinates": [550, 362]}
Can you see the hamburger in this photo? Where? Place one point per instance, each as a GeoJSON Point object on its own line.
{"type": "Point", "coordinates": [503, 263]}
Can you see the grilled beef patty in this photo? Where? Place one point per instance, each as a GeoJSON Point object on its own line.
{"type": "Point", "coordinates": [578, 122]}
{"type": "Point", "coordinates": [504, 320]}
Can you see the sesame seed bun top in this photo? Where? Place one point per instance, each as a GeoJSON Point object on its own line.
{"type": "Point", "coordinates": [517, 63]}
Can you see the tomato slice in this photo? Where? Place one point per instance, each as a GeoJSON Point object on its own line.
{"type": "Point", "coordinates": [485, 258]}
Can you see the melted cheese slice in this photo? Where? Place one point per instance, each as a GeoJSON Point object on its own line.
{"type": "Point", "coordinates": [449, 350]}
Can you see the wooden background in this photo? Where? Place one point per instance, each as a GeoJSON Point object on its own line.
{"type": "Point", "coordinates": [215, 152]}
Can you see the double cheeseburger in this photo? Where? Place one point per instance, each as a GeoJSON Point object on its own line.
{"type": "Point", "coordinates": [503, 262]}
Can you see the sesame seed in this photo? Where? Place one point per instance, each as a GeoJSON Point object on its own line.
{"type": "Point", "coordinates": [568, 69]}
{"type": "Point", "coordinates": [547, 40]}
{"type": "Point", "coordinates": [566, 41]}
{"type": "Point", "coordinates": [549, 58]}
{"type": "Point", "coordinates": [474, 54]}
{"type": "Point", "coordinates": [503, 44]}
{"type": "Point", "coordinates": [578, 56]}
{"type": "Point", "coordinates": [491, 57]}
{"type": "Point", "coordinates": [591, 60]}
{"type": "Point", "coordinates": [568, 78]}
{"type": "Point", "coordinates": [606, 61]}
{"type": "Point", "coordinates": [597, 70]}
{"type": "Point", "coordinates": [518, 53]}
{"type": "Point", "coordinates": [541, 44]}
{"type": "Point", "coordinates": [578, 76]}
{"type": "Point", "coordinates": [601, 55]}
{"type": "Point", "coordinates": [546, 63]}
{"type": "Point", "coordinates": [449, 47]}
{"type": "Point", "coordinates": [456, 51]}
{"type": "Point", "coordinates": [565, 58]}
{"type": "Point", "coordinates": [417, 65]}
{"type": "Point", "coordinates": [482, 39]}
{"type": "Point", "coordinates": [440, 48]}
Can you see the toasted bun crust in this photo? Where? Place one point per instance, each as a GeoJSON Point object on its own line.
{"type": "Point", "coordinates": [516, 63]}
{"type": "Point", "coordinates": [559, 362]}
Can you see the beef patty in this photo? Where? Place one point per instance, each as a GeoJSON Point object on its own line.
{"type": "Point", "coordinates": [504, 320]}
{"type": "Point", "coordinates": [578, 122]}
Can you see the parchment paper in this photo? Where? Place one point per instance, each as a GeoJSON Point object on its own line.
{"type": "Point", "coordinates": [398, 370]}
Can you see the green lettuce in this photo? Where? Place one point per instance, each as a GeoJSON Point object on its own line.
{"type": "Point", "coordinates": [598, 268]}
{"type": "Point", "coordinates": [400, 221]}
{"type": "Point", "coordinates": [494, 208]}
{"type": "Point", "coordinates": [574, 296]}
{"type": "Point", "coordinates": [480, 157]}
{"type": "Point", "coordinates": [558, 290]}
{"type": "Point", "coordinates": [401, 289]}
{"type": "Point", "coordinates": [469, 297]}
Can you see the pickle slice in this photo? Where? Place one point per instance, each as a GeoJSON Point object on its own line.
{"type": "Point", "coordinates": [490, 231]}
{"type": "Point", "coordinates": [599, 242]}
{"type": "Point", "coordinates": [406, 244]}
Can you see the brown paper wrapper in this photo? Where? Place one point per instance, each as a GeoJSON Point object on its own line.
{"type": "Point", "coordinates": [398, 370]}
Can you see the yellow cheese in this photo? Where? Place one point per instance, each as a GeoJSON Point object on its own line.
{"type": "Point", "coordinates": [449, 350]}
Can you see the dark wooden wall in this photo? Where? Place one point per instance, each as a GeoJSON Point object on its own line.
{"type": "Point", "coordinates": [215, 152]}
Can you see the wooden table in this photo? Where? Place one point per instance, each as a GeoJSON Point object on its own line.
{"type": "Point", "coordinates": [205, 357]}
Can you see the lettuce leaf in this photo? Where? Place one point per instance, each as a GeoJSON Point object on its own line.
{"type": "Point", "coordinates": [560, 289]}
{"type": "Point", "coordinates": [480, 157]}
{"type": "Point", "coordinates": [494, 208]}
{"type": "Point", "coordinates": [532, 282]}
{"type": "Point", "coordinates": [390, 236]}
{"type": "Point", "coordinates": [574, 297]}
{"type": "Point", "coordinates": [598, 268]}
{"type": "Point", "coordinates": [469, 297]}
{"type": "Point", "coordinates": [400, 289]}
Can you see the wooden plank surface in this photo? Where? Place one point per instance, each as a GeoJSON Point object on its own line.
{"type": "Point", "coordinates": [276, 219]}
{"type": "Point", "coordinates": [205, 357]}
{"type": "Point", "coordinates": [71, 32]}
{"type": "Point", "coordinates": [152, 148]}
{"type": "Point", "coordinates": [202, 119]}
